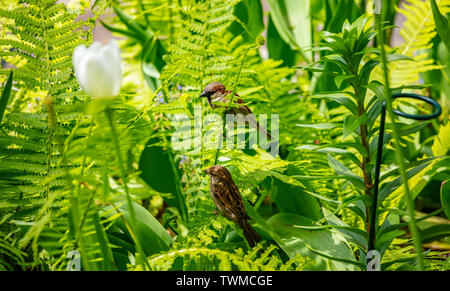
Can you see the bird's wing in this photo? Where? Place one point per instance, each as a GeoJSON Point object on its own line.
{"type": "Point", "coordinates": [229, 201]}
{"type": "Point", "coordinates": [246, 112]}
{"type": "Point", "coordinates": [237, 204]}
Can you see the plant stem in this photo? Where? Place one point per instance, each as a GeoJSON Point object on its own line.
{"type": "Point", "coordinates": [373, 213]}
{"type": "Point", "coordinates": [399, 153]}
{"type": "Point", "coordinates": [133, 223]}
{"type": "Point", "coordinates": [237, 78]}
{"type": "Point", "coordinates": [231, 102]}
{"type": "Point", "coordinates": [366, 158]}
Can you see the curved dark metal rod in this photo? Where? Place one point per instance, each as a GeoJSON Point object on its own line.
{"type": "Point", "coordinates": [438, 110]}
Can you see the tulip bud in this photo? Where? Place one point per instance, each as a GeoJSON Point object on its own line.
{"type": "Point", "coordinates": [98, 69]}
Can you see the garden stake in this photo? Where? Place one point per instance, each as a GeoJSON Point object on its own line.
{"type": "Point", "coordinates": [438, 111]}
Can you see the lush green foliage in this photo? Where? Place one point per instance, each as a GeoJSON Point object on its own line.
{"type": "Point", "coordinates": [103, 178]}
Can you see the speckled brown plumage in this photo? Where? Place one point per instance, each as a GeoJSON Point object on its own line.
{"type": "Point", "coordinates": [228, 200]}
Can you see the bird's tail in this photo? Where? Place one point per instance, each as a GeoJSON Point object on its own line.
{"type": "Point", "coordinates": [250, 233]}
{"type": "Point", "coordinates": [273, 144]}
{"type": "Point", "coordinates": [263, 131]}
{"type": "Point", "coordinates": [249, 117]}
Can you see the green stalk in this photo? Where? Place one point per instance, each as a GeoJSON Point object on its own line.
{"type": "Point", "coordinates": [399, 154]}
{"type": "Point", "coordinates": [230, 103]}
{"type": "Point", "coordinates": [75, 194]}
{"type": "Point", "coordinates": [133, 223]}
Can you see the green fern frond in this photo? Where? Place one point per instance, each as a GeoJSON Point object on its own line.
{"type": "Point", "coordinates": [418, 32]}
{"type": "Point", "coordinates": [41, 36]}
{"type": "Point", "coordinates": [202, 25]}
{"type": "Point", "coordinates": [205, 259]}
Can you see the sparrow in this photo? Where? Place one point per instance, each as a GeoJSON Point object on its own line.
{"type": "Point", "coordinates": [228, 199]}
{"type": "Point", "coordinates": [217, 92]}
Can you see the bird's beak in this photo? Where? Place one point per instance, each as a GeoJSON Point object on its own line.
{"type": "Point", "coordinates": [205, 171]}
{"type": "Point", "coordinates": [203, 94]}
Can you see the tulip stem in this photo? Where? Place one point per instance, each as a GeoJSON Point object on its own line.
{"type": "Point", "coordinates": [133, 223]}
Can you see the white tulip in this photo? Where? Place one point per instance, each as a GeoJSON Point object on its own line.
{"type": "Point", "coordinates": [98, 69]}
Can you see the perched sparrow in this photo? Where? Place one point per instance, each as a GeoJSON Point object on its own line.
{"type": "Point", "coordinates": [216, 92]}
{"type": "Point", "coordinates": [227, 198]}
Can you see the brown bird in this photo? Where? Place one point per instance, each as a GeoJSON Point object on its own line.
{"type": "Point", "coordinates": [228, 199]}
{"type": "Point", "coordinates": [217, 92]}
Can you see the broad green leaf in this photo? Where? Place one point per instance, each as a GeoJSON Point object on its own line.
{"type": "Point", "coordinates": [395, 58]}
{"type": "Point", "coordinates": [407, 129]}
{"type": "Point", "coordinates": [255, 17]}
{"type": "Point", "coordinates": [122, 246]}
{"type": "Point", "coordinates": [339, 11]}
{"type": "Point", "coordinates": [336, 259]}
{"type": "Point", "coordinates": [335, 15]}
{"type": "Point", "coordinates": [323, 149]}
{"type": "Point", "coordinates": [331, 150]}
{"type": "Point", "coordinates": [341, 98]}
{"type": "Point", "coordinates": [435, 233]}
{"type": "Point", "coordinates": [387, 227]}
{"type": "Point", "coordinates": [299, 14]}
{"type": "Point", "coordinates": [341, 78]}
{"type": "Point", "coordinates": [268, 229]}
{"type": "Point", "coordinates": [293, 23]}
{"type": "Point", "coordinates": [301, 241]}
{"type": "Point", "coordinates": [314, 67]}
{"type": "Point", "coordinates": [445, 197]}
{"type": "Point", "coordinates": [366, 72]}
{"type": "Point", "coordinates": [391, 219]}
{"type": "Point", "coordinates": [408, 262]}
{"type": "Point", "coordinates": [388, 188]}
{"type": "Point", "coordinates": [351, 234]}
{"type": "Point", "coordinates": [442, 81]}
{"type": "Point", "coordinates": [351, 123]}
{"type": "Point", "coordinates": [128, 33]}
{"type": "Point", "coordinates": [389, 236]}
{"type": "Point", "coordinates": [345, 173]}
{"type": "Point", "coordinates": [159, 172]}
{"type": "Point", "coordinates": [154, 238]}
{"type": "Point", "coordinates": [250, 15]}
{"type": "Point", "coordinates": [442, 24]}
{"type": "Point", "coordinates": [359, 208]}
{"type": "Point", "coordinates": [335, 147]}
{"type": "Point", "coordinates": [5, 95]}
{"type": "Point", "coordinates": [374, 112]}
{"type": "Point", "coordinates": [377, 88]}
{"type": "Point", "coordinates": [278, 15]}
{"type": "Point", "coordinates": [294, 199]}
{"type": "Point", "coordinates": [319, 125]}
{"type": "Point", "coordinates": [107, 255]}
{"type": "Point", "coordinates": [278, 48]}
{"type": "Point", "coordinates": [131, 24]}
{"type": "Point", "coordinates": [155, 168]}
{"type": "Point", "coordinates": [394, 171]}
